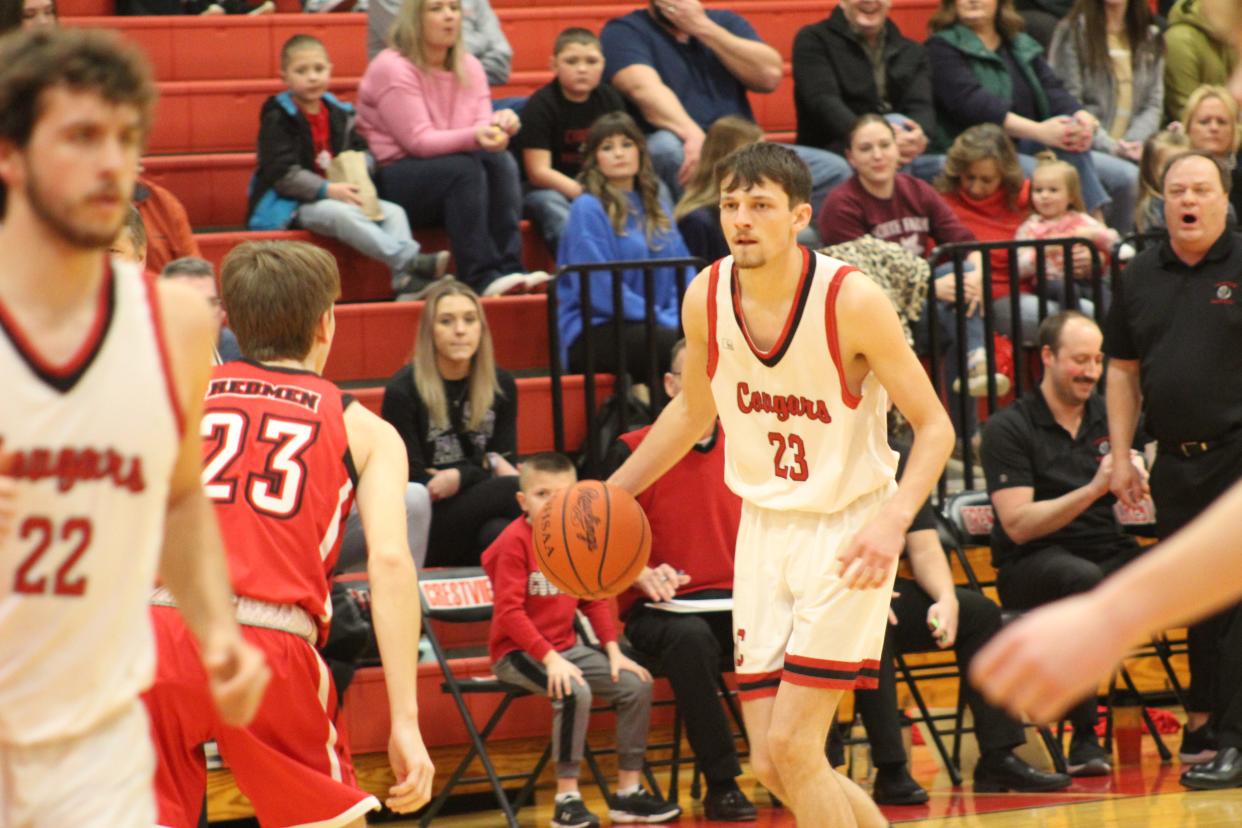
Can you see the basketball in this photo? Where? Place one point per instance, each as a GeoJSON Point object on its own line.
{"type": "Point", "coordinates": [592, 539]}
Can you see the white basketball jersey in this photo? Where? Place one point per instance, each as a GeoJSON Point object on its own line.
{"type": "Point", "coordinates": [798, 438]}
{"type": "Point", "coordinates": [94, 442]}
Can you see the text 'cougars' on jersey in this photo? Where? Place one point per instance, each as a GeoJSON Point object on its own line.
{"type": "Point", "coordinates": [257, 388]}
{"type": "Point", "coordinates": [70, 466]}
{"type": "Point", "coordinates": [783, 406]}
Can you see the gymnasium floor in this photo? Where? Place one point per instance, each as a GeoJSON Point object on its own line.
{"type": "Point", "coordinates": [1145, 796]}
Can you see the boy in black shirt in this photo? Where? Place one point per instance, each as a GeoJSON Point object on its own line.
{"type": "Point", "coordinates": [554, 125]}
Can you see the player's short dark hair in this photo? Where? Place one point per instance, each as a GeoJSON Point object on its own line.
{"type": "Point", "coordinates": [84, 60]}
{"type": "Point", "coordinates": [136, 228]}
{"type": "Point", "coordinates": [1226, 177]}
{"type": "Point", "coordinates": [188, 266]}
{"type": "Point", "coordinates": [276, 292]}
{"type": "Point", "coordinates": [678, 347]}
{"type": "Point", "coordinates": [747, 166]}
{"type": "Point", "coordinates": [1050, 329]}
{"type": "Point", "coordinates": [545, 462]}
{"type": "Point", "coordinates": [298, 41]}
{"type": "Point", "coordinates": [575, 35]}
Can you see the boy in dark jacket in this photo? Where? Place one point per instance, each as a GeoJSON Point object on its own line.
{"type": "Point", "coordinates": [300, 131]}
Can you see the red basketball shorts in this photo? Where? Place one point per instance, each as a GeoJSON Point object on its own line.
{"type": "Point", "coordinates": [288, 761]}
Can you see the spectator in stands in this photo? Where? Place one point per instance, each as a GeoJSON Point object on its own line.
{"type": "Point", "coordinates": [1111, 57]}
{"type": "Point", "coordinates": [857, 62]}
{"type": "Point", "coordinates": [682, 67]}
{"type": "Point", "coordinates": [1172, 349]}
{"type": "Point", "coordinates": [1210, 120]}
{"type": "Point", "coordinates": [555, 121]}
{"type": "Point", "coordinates": [985, 70]}
{"type": "Point", "coordinates": [168, 226]}
{"type": "Point", "coordinates": [982, 181]}
{"type": "Point", "coordinates": [457, 413]}
{"type": "Point", "coordinates": [1048, 464]}
{"type": "Point", "coordinates": [200, 276]}
{"type": "Point", "coordinates": [130, 244]}
{"type": "Point", "coordinates": [146, 8]}
{"type": "Point", "coordinates": [698, 211]}
{"type": "Point", "coordinates": [423, 107]}
{"type": "Point", "coordinates": [895, 207]}
{"type": "Point", "coordinates": [1158, 150]}
{"type": "Point", "coordinates": [619, 217]}
{"type": "Point", "coordinates": [26, 14]}
{"type": "Point", "coordinates": [1042, 16]}
{"type": "Point", "coordinates": [1195, 54]}
{"type": "Point", "coordinates": [300, 131]}
{"type": "Point", "coordinates": [482, 35]}
{"type": "Point", "coordinates": [1056, 199]}
{"type": "Point", "coordinates": [691, 559]}
{"type": "Point", "coordinates": [930, 612]}
{"type": "Point", "coordinates": [533, 644]}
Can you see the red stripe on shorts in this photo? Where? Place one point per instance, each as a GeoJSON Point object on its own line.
{"type": "Point", "coordinates": [758, 685]}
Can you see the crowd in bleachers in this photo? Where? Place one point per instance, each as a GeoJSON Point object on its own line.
{"type": "Point", "coordinates": [973, 132]}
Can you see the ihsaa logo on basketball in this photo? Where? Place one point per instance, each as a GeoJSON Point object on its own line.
{"type": "Point", "coordinates": [584, 520]}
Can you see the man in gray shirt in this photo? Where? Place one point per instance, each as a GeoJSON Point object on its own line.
{"type": "Point", "coordinates": [480, 29]}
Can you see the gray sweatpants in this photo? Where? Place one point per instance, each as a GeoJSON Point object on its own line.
{"type": "Point", "coordinates": [630, 694]}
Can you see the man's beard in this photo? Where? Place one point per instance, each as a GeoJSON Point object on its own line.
{"type": "Point", "coordinates": [749, 257]}
{"type": "Point", "coordinates": [58, 218]}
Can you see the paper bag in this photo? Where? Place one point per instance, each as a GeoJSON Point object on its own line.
{"type": "Point", "coordinates": [350, 167]}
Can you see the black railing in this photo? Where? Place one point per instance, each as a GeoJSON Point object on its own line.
{"type": "Point", "coordinates": [684, 268]}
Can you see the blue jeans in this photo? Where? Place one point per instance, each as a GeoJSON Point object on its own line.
{"type": "Point", "coordinates": [387, 240]}
{"type": "Point", "coordinates": [827, 168]}
{"type": "Point", "coordinates": [549, 210]}
{"type": "Point", "coordinates": [952, 355]}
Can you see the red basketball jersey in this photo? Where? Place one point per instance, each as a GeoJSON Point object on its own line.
{"type": "Point", "coordinates": [276, 464]}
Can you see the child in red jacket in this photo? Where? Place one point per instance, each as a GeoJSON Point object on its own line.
{"type": "Point", "coordinates": [533, 644]}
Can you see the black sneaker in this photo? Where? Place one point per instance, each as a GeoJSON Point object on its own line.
{"type": "Point", "coordinates": [895, 786]}
{"type": "Point", "coordinates": [430, 266]}
{"type": "Point", "coordinates": [1198, 746]}
{"type": "Point", "coordinates": [728, 805]}
{"type": "Point", "coordinates": [572, 812]}
{"type": "Point", "coordinates": [1087, 758]}
{"type": "Point", "coordinates": [642, 807]}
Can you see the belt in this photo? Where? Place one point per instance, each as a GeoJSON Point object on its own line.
{"type": "Point", "coordinates": [1194, 448]}
{"type": "Point", "coordinates": [252, 612]}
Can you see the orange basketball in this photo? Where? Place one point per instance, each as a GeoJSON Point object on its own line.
{"type": "Point", "coordinates": [592, 539]}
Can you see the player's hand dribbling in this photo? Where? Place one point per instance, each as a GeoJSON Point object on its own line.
{"type": "Point", "coordinates": [869, 557]}
{"type": "Point", "coordinates": [238, 674]}
{"type": "Point", "coordinates": [562, 673]}
{"type": "Point", "coordinates": [1051, 658]}
{"type": "Point", "coordinates": [407, 755]}
{"type": "Point", "coordinates": [661, 583]}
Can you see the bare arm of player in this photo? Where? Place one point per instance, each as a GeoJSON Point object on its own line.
{"type": "Point", "coordinates": [1124, 398]}
{"type": "Point", "coordinates": [688, 415]}
{"type": "Point", "coordinates": [1055, 655]}
{"type": "Point", "coordinates": [379, 456]}
{"type": "Point", "coordinates": [872, 340]}
{"type": "Point", "coordinates": [192, 562]}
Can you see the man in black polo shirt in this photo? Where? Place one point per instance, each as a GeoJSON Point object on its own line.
{"type": "Point", "coordinates": [1174, 340]}
{"type": "Point", "coordinates": [1047, 460]}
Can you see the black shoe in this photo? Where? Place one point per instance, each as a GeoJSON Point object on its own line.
{"type": "Point", "coordinates": [572, 813]}
{"type": "Point", "coordinates": [1197, 745]}
{"type": "Point", "coordinates": [1013, 774]}
{"type": "Point", "coordinates": [729, 805]}
{"type": "Point", "coordinates": [1087, 758]}
{"type": "Point", "coordinates": [895, 786]}
{"type": "Point", "coordinates": [1225, 771]}
{"type": "Point", "coordinates": [641, 806]}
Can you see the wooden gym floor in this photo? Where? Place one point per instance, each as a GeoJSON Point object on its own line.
{"type": "Point", "coordinates": [1144, 796]}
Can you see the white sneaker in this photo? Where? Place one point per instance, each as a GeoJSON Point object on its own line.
{"type": "Point", "coordinates": [509, 285]}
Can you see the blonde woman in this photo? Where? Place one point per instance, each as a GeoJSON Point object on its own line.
{"type": "Point", "coordinates": [457, 413]}
{"type": "Point", "coordinates": [426, 112]}
{"type": "Point", "coordinates": [1210, 120]}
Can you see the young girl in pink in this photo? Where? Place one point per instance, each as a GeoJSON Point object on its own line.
{"type": "Point", "coordinates": [1056, 198]}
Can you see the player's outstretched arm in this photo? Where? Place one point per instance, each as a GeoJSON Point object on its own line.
{"type": "Point", "coordinates": [688, 415]}
{"type": "Point", "coordinates": [1051, 658]}
{"type": "Point", "coordinates": [192, 562]}
{"type": "Point", "coordinates": [379, 456]}
{"type": "Point", "coordinates": [872, 338]}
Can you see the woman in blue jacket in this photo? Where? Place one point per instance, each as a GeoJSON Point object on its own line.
{"type": "Point", "coordinates": [619, 217]}
{"type": "Point", "coordinates": [985, 70]}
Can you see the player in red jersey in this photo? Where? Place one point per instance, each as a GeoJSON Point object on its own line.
{"type": "Point", "coordinates": [99, 478]}
{"type": "Point", "coordinates": [284, 454]}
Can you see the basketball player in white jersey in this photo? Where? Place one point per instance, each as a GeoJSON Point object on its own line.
{"type": "Point", "coordinates": [799, 354]}
{"type": "Point", "coordinates": [100, 373]}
